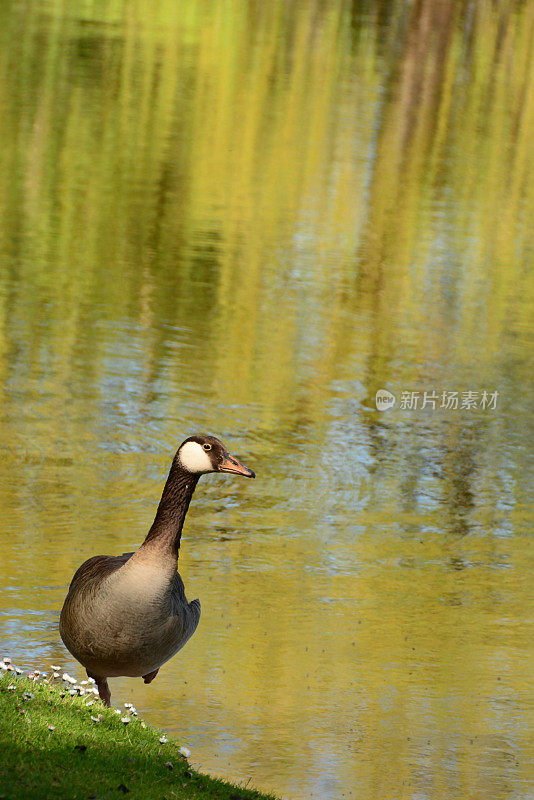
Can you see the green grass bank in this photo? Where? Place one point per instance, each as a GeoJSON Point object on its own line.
{"type": "Point", "coordinates": [54, 745]}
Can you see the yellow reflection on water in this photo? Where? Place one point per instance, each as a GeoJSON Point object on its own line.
{"type": "Point", "coordinates": [248, 218]}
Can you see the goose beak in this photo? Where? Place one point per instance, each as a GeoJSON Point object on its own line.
{"type": "Point", "coordinates": [231, 464]}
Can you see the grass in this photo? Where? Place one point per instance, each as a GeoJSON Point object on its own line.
{"type": "Point", "coordinates": [51, 749]}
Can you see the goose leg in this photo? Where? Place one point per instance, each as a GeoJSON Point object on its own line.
{"type": "Point", "coordinates": [103, 689]}
{"type": "Point", "coordinates": [150, 676]}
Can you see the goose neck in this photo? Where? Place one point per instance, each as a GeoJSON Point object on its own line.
{"type": "Point", "coordinates": [166, 530]}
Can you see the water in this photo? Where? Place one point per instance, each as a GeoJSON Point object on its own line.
{"type": "Point", "coordinates": [248, 218]}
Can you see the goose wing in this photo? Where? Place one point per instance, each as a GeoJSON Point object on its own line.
{"type": "Point", "coordinates": [95, 569]}
{"type": "Point", "coordinates": [188, 613]}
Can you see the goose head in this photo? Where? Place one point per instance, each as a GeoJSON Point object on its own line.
{"type": "Point", "coordinates": [202, 454]}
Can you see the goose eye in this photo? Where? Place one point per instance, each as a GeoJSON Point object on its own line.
{"type": "Point", "coordinates": [206, 446]}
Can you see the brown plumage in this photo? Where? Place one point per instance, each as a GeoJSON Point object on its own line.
{"type": "Point", "coordinates": [128, 614]}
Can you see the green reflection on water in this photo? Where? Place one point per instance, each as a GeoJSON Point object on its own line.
{"type": "Point", "coordinates": [248, 218]}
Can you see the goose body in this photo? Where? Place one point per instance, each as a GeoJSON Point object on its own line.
{"type": "Point", "coordinates": [128, 614]}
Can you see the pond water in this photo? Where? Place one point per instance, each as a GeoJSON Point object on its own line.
{"type": "Point", "coordinates": [248, 218]}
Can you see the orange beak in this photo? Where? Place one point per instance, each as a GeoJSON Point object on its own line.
{"type": "Point", "coordinates": [231, 464]}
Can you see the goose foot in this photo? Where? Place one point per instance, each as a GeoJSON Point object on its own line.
{"type": "Point", "coordinates": [150, 676]}
{"type": "Point", "coordinates": [103, 689]}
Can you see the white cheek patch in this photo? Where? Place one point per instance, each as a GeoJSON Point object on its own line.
{"type": "Point", "coordinates": [194, 458]}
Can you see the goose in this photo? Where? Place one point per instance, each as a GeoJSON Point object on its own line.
{"type": "Point", "coordinates": [128, 614]}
